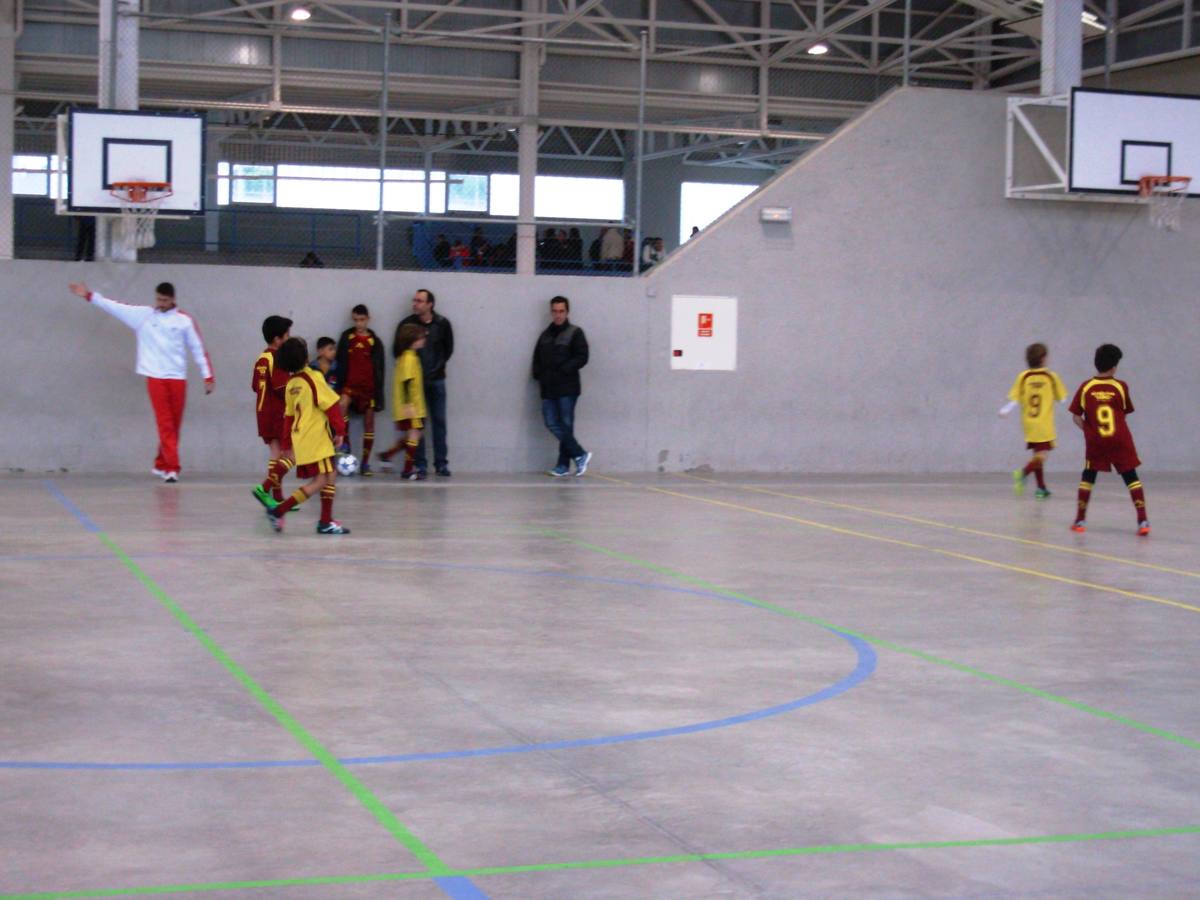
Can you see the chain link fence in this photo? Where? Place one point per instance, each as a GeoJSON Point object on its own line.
{"type": "Point", "coordinates": [644, 135]}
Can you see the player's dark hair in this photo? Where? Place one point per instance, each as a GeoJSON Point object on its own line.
{"type": "Point", "coordinates": [1035, 355]}
{"type": "Point", "coordinates": [360, 310]}
{"type": "Point", "coordinates": [563, 300]}
{"type": "Point", "coordinates": [275, 327]}
{"type": "Point", "coordinates": [323, 342]}
{"type": "Point", "coordinates": [407, 336]}
{"type": "Point", "coordinates": [166, 289]}
{"type": "Point", "coordinates": [1107, 357]}
{"type": "Point", "coordinates": [292, 354]}
{"type": "Point", "coordinates": [429, 296]}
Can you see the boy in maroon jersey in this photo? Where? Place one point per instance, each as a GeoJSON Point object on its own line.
{"type": "Point", "coordinates": [360, 368]}
{"type": "Point", "coordinates": [268, 382]}
{"type": "Point", "coordinates": [1099, 408]}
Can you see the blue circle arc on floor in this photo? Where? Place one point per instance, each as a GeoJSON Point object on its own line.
{"type": "Point", "coordinates": [863, 669]}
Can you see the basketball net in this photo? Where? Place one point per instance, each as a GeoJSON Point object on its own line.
{"type": "Point", "coordinates": [140, 202]}
{"type": "Point", "coordinates": [1165, 195]}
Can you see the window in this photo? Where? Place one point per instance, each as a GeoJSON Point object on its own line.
{"type": "Point", "coordinates": [348, 187]}
{"type": "Point", "coordinates": [33, 184]}
{"type": "Point", "coordinates": [246, 190]}
{"type": "Point", "coordinates": [701, 203]}
{"type": "Point", "coordinates": [467, 193]}
{"type": "Point", "coordinates": [54, 180]}
{"type": "Point", "coordinates": [222, 184]}
{"type": "Point", "coordinates": [504, 195]}
{"type": "Point", "coordinates": [405, 191]}
{"type": "Point", "coordinates": [560, 197]}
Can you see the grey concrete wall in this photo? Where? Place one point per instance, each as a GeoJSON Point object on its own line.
{"type": "Point", "coordinates": [879, 331]}
{"type": "Point", "coordinates": [79, 406]}
{"type": "Point", "coordinates": [882, 328]}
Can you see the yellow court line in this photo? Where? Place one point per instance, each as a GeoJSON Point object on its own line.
{"type": "Point", "coordinates": [933, 523]}
{"type": "Point", "coordinates": [913, 546]}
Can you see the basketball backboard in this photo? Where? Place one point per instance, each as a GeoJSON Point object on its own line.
{"type": "Point", "coordinates": [105, 146]}
{"type": "Point", "coordinates": [1094, 145]}
{"type": "Point", "coordinates": [1117, 137]}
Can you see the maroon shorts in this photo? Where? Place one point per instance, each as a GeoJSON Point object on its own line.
{"type": "Point", "coordinates": [1039, 446]}
{"type": "Point", "coordinates": [360, 400]}
{"type": "Point", "coordinates": [270, 427]}
{"type": "Point", "coordinates": [312, 470]}
{"type": "Point", "coordinates": [1122, 457]}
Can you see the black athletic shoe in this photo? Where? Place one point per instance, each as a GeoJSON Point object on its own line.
{"type": "Point", "coordinates": [443, 471]}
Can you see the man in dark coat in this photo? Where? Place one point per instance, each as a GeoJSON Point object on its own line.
{"type": "Point", "coordinates": [561, 351]}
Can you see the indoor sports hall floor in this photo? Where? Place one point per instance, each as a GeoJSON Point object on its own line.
{"type": "Point", "coordinates": [664, 687]}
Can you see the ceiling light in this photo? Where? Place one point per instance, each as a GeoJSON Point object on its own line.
{"type": "Point", "coordinates": [818, 50]}
{"type": "Point", "coordinates": [301, 14]}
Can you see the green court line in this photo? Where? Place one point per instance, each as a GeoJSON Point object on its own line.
{"type": "Point", "coordinates": [361, 792]}
{"type": "Point", "coordinates": [880, 642]}
{"type": "Point", "coordinates": [815, 850]}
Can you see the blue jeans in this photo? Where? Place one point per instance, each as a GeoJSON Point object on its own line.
{"type": "Point", "coordinates": [435, 409]}
{"type": "Point", "coordinates": [559, 416]}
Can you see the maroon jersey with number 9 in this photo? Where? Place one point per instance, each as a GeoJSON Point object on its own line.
{"type": "Point", "coordinates": [1103, 403]}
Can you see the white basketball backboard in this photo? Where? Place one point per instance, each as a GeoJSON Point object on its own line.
{"type": "Point", "coordinates": [1116, 137]}
{"type": "Point", "coordinates": [106, 146]}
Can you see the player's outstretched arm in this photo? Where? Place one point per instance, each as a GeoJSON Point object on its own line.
{"type": "Point", "coordinates": [1007, 408]}
{"type": "Point", "coordinates": [133, 316]}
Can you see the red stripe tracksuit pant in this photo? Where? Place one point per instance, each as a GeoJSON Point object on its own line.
{"type": "Point", "coordinates": [167, 397]}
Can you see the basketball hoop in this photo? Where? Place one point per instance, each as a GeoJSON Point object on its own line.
{"type": "Point", "coordinates": [1165, 195]}
{"type": "Point", "coordinates": [140, 202]}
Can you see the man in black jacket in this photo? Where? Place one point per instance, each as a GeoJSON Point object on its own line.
{"type": "Point", "coordinates": [439, 347]}
{"type": "Point", "coordinates": [561, 351]}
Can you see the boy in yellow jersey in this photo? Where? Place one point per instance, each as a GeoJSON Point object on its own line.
{"type": "Point", "coordinates": [1036, 390]}
{"type": "Point", "coordinates": [314, 425]}
{"type": "Point", "coordinates": [268, 382]}
{"type": "Point", "coordinates": [408, 401]}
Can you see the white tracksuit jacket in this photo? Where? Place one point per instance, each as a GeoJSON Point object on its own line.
{"type": "Point", "coordinates": [163, 338]}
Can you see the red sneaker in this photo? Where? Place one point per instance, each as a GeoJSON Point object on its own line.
{"type": "Point", "coordinates": [1079, 527]}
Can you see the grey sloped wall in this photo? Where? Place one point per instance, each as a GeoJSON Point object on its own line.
{"type": "Point", "coordinates": [879, 331]}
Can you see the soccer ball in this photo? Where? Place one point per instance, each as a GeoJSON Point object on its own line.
{"type": "Point", "coordinates": [347, 464]}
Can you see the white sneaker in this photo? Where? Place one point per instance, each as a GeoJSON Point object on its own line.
{"type": "Point", "coordinates": [170, 477]}
{"type": "Point", "coordinates": [159, 472]}
{"type": "Point", "coordinates": [581, 463]}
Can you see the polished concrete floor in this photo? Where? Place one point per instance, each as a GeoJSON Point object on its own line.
{"type": "Point", "coordinates": [665, 687]}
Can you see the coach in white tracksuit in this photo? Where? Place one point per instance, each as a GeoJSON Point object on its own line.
{"type": "Point", "coordinates": [165, 335]}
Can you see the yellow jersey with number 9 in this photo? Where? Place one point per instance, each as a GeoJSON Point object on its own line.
{"type": "Point", "coordinates": [307, 398]}
{"type": "Point", "coordinates": [1036, 390]}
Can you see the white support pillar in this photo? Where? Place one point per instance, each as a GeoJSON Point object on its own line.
{"type": "Point", "coordinates": [1062, 46]}
{"type": "Point", "coordinates": [8, 83]}
{"type": "Point", "coordinates": [212, 214]}
{"type": "Point", "coordinates": [118, 89]}
{"type": "Point", "coordinates": [527, 153]}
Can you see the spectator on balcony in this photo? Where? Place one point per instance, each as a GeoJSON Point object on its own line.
{"type": "Point", "coordinates": [460, 254]}
{"type": "Point", "coordinates": [478, 243]}
{"type": "Point", "coordinates": [652, 252]}
{"type": "Point", "coordinates": [311, 261]}
{"type": "Point", "coordinates": [573, 249]}
{"type": "Point", "coordinates": [441, 252]}
{"type": "Point", "coordinates": [612, 248]}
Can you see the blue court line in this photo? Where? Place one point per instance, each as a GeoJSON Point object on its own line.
{"type": "Point", "coordinates": [865, 666]}
{"type": "Point", "coordinates": [459, 887]}
{"type": "Point", "coordinates": [78, 513]}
